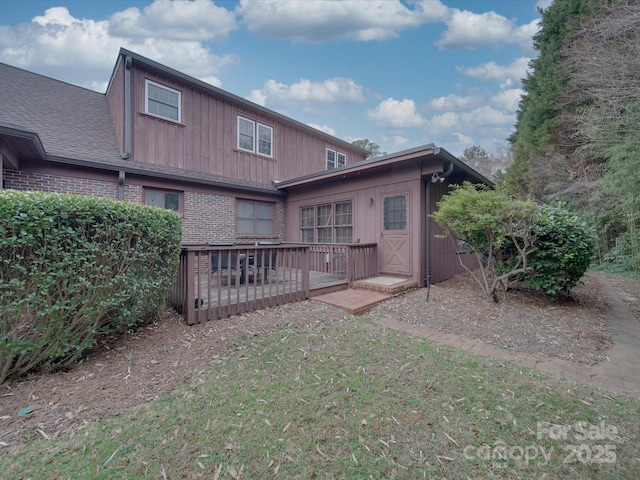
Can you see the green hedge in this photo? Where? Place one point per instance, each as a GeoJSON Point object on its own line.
{"type": "Point", "coordinates": [565, 247]}
{"type": "Point", "coordinates": [75, 268]}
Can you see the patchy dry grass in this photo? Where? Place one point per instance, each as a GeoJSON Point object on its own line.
{"type": "Point", "coordinates": [350, 399]}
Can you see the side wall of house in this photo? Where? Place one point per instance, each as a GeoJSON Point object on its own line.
{"type": "Point", "coordinates": [443, 252]}
{"type": "Point", "coordinates": [205, 140]}
{"type": "Point", "coordinates": [209, 214]}
{"type": "Point", "coordinates": [367, 192]}
{"type": "Point", "coordinates": [115, 100]}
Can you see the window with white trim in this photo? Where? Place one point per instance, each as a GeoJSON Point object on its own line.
{"type": "Point", "coordinates": [255, 137]}
{"type": "Point", "coordinates": [335, 159]}
{"type": "Point", "coordinates": [328, 223]}
{"type": "Point", "coordinates": [163, 101]}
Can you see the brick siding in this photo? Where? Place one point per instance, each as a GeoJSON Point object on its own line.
{"type": "Point", "coordinates": [18, 180]}
{"type": "Point", "coordinates": [206, 217]}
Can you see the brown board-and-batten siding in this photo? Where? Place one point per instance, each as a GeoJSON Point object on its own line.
{"type": "Point", "coordinates": [444, 255]}
{"type": "Point", "coordinates": [205, 139]}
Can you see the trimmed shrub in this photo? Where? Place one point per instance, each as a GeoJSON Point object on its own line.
{"type": "Point", "coordinates": [565, 247]}
{"type": "Point", "coordinates": [74, 268]}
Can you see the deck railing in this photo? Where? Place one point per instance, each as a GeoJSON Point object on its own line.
{"type": "Point", "coordinates": [217, 281]}
{"type": "Point", "coordinates": [352, 261]}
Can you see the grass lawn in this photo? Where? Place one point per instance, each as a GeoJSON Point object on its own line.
{"type": "Point", "coordinates": [353, 400]}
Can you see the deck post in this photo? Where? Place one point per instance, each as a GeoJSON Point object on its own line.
{"type": "Point", "coordinates": [304, 253]}
{"type": "Point", "coordinates": [189, 301]}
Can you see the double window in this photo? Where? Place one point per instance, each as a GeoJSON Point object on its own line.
{"type": "Point", "coordinates": [163, 199]}
{"type": "Point", "coordinates": [328, 223]}
{"type": "Point", "coordinates": [335, 159]}
{"type": "Point", "coordinates": [255, 218]}
{"type": "Point", "coordinates": [255, 137]}
{"type": "Point", "coordinates": [163, 101]}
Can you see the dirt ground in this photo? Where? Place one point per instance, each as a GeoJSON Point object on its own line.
{"type": "Point", "coordinates": [146, 364]}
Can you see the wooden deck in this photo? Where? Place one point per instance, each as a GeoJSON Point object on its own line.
{"type": "Point", "coordinates": [220, 281]}
{"type": "Point", "coordinates": [221, 295]}
{"type": "Point", "coordinates": [212, 290]}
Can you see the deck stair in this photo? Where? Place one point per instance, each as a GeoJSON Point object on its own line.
{"type": "Point", "coordinates": [391, 285]}
{"type": "Point", "coordinates": [366, 293]}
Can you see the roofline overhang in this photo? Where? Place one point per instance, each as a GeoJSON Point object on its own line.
{"type": "Point", "coordinates": [132, 169]}
{"type": "Point", "coordinates": [413, 154]}
{"type": "Point", "coordinates": [463, 166]}
{"type": "Point", "coordinates": [32, 138]}
{"type": "Point", "coordinates": [364, 166]}
{"type": "Point", "coordinates": [183, 77]}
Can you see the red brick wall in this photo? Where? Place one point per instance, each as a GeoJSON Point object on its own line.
{"type": "Point", "coordinates": [19, 180]}
{"type": "Point", "coordinates": [207, 217]}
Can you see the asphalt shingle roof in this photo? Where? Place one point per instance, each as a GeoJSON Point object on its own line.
{"type": "Point", "coordinates": [71, 121]}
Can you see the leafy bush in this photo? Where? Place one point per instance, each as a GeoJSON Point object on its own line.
{"type": "Point", "coordinates": [564, 249]}
{"type": "Point", "coordinates": [547, 247]}
{"type": "Point", "coordinates": [485, 220]}
{"type": "Point", "coordinates": [74, 268]}
{"type": "Point", "coordinates": [624, 256]}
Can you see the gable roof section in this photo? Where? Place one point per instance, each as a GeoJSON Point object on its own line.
{"type": "Point", "coordinates": [230, 97]}
{"type": "Point", "coordinates": [423, 152]}
{"type": "Point", "coordinates": [70, 121]}
{"type": "Point", "coordinates": [46, 119]}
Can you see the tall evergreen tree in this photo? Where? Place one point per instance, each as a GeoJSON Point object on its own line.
{"type": "Point", "coordinates": [536, 124]}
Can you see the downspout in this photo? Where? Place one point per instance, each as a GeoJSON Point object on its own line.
{"type": "Point", "coordinates": [127, 108]}
{"type": "Point", "coordinates": [127, 123]}
{"type": "Point", "coordinates": [427, 233]}
{"type": "Point", "coordinates": [448, 172]}
{"type": "Point", "coordinates": [436, 177]}
{"type": "Point", "coordinates": [121, 176]}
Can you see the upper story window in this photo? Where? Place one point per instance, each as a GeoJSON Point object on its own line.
{"type": "Point", "coordinates": [163, 199]}
{"type": "Point", "coordinates": [163, 101]}
{"type": "Point", "coordinates": [255, 137]}
{"type": "Point", "coordinates": [335, 159]}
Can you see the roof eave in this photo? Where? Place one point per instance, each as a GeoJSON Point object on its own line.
{"type": "Point", "coordinates": [130, 168]}
{"type": "Point", "coordinates": [31, 138]}
{"type": "Point", "coordinates": [463, 166]}
{"type": "Point", "coordinates": [360, 167]}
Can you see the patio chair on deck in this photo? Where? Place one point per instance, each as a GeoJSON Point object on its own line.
{"type": "Point", "coordinates": [263, 261]}
{"type": "Point", "coordinates": [227, 262]}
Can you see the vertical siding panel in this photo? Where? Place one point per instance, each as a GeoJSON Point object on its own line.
{"type": "Point", "coordinates": [205, 141]}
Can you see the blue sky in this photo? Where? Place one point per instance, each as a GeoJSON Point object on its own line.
{"type": "Point", "coordinates": [401, 73]}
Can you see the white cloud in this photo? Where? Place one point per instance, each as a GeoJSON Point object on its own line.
{"type": "Point", "coordinates": [315, 21]}
{"type": "Point", "coordinates": [471, 30]}
{"type": "Point", "coordinates": [178, 19]}
{"type": "Point", "coordinates": [397, 114]}
{"type": "Point", "coordinates": [191, 58]}
{"type": "Point", "coordinates": [81, 51]}
{"type": "Point", "coordinates": [444, 122]}
{"type": "Point", "coordinates": [455, 102]}
{"type": "Point", "coordinates": [323, 128]}
{"type": "Point", "coordinates": [58, 39]}
{"type": "Point", "coordinates": [463, 139]}
{"type": "Point", "coordinates": [543, 4]}
{"type": "Point", "coordinates": [487, 117]}
{"type": "Point", "coordinates": [507, 99]}
{"type": "Point", "coordinates": [215, 81]}
{"type": "Point", "coordinates": [491, 71]}
{"type": "Point", "coordinates": [329, 91]}
{"type": "Point", "coordinates": [399, 140]}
